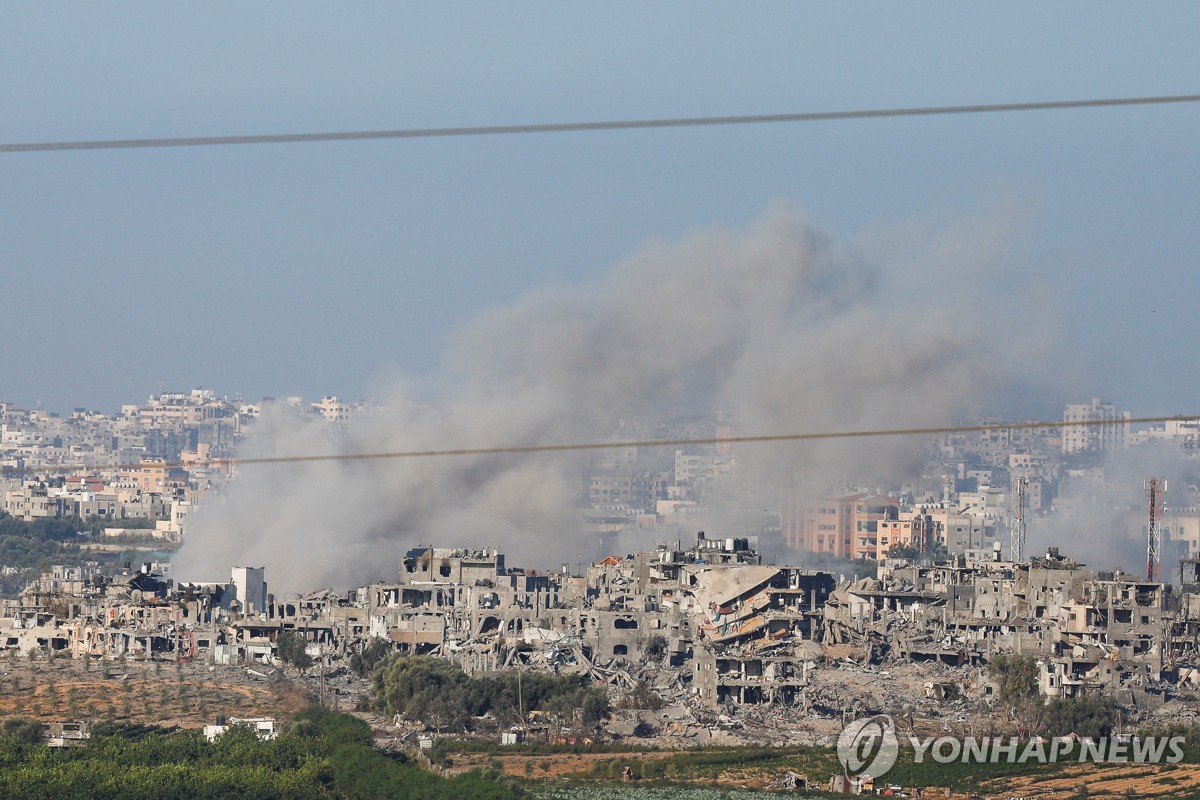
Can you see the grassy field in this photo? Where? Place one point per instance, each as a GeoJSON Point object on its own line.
{"type": "Point", "coordinates": [751, 772]}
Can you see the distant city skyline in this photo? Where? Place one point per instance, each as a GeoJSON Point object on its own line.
{"type": "Point", "coordinates": [165, 462]}
{"type": "Point", "coordinates": [317, 400]}
{"type": "Point", "coordinates": [231, 395]}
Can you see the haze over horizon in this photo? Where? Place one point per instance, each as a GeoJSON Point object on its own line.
{"type": "Point", "coordinates": [344, 267]}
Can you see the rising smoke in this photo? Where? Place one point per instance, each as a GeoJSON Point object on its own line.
{"type": "Point", "coordinates": [774, 322]}
{"type": "Point", "coordinates": [1100, 515]}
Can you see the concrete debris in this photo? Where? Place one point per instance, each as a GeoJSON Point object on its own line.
{"type": "Point", "coordinates": [697, 645]}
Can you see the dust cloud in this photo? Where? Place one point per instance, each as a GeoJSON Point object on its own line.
{"type": "Point", "coordinates": [774, 322]}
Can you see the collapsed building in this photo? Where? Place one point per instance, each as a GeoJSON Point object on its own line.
{"type": "Point", "coordinates": [718, 626]}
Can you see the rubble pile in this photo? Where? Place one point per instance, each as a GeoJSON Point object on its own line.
{"type": "Point", "coordinates": [703, 644]}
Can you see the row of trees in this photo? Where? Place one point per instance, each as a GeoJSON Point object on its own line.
{"type": "Point", "coordinates": [28, 546]}
{"type": "Point", "coordinates": [31, 546]}
{"type": "Point", "coordinates": [437, 692]}
{"type": "Point", "coordinates": [63, 529]}
{"type": "Point", "coordinates": [323, 756]}
{"type": "Point", "coordinates": [1017, 679]}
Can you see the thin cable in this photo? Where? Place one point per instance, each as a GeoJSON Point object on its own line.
{"type": "Point", "coordinates": [571, 446]}
{"type": "Point", "coordinates": [577, 127]}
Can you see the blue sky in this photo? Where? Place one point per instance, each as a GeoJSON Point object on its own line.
{"type": "Point", "coordinates": [327, 268]}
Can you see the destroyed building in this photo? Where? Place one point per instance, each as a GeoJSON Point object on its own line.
{"type": "Point", "coordinates": [708, 624]}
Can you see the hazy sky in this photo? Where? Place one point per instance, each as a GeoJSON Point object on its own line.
{"type": "Point", "coordinates": [329, 268]}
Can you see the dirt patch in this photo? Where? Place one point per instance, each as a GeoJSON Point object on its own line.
{"type": "Point", "coordinates": [1101, 780]}
{"type": "Point", "coordinates": [188, 696]}
{"type": "Point", "coordinates": [1108, 781]}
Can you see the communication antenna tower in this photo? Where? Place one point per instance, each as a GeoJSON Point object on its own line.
{"type": "Point", "coordinates": [1155, 489]}
{"type": "Point", "coordinates": [1016, 523]}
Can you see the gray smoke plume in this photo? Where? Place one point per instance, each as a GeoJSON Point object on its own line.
{"type": "Point", "coordinates": [1100, 515]}
{"type": "Point", "coordinates": [775, 322]}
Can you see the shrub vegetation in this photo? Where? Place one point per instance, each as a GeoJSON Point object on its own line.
{"type": "Point", "coordinates": [323, 756]}
{"type": "Point", "coordinates": [439, 693]}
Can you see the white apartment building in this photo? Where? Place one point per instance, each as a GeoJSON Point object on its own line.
{"type": "Point", "coordinates": [1111, 432]}
{"type": "Point", "coordinates": [333, 409]}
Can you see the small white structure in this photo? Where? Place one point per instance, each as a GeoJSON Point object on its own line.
{"type": "Point", "coordinates": [65, 734]}
{"type": "Point", "coordinates": [512, 736]}
{"type": "Point", "coordinates": [264, 727]}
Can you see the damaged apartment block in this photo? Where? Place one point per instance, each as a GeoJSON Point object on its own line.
{"type": "Point", "coordinates": [707, 625]}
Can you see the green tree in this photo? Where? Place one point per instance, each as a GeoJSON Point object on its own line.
{"type": "Point", "coordinates": [290, 648]}
{"type": "Point", "coordinates": [438, 692]}
{"type": "Point", "coordinates": [1090, 716]}
{"type": "Point", "coordinates": [1017, 677]}
{"type": "Point", "coordinates": [405, 684]}
{"type": "Point", "coordinates": [364, 663]}
{"type": "Point", "coordinates": [28, 731]}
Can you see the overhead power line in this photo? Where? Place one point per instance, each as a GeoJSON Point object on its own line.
{"type": "Point", "coordinates": [612, 445]}
{"type": "Point", "coordinates": [579, 127]}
